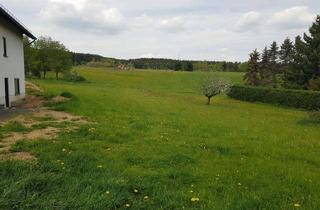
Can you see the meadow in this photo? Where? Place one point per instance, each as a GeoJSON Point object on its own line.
{"type": "Point", "coordinates": [155, 144]}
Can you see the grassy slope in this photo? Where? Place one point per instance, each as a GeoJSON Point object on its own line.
{"type": "Point", "coordinates": [154, 133]}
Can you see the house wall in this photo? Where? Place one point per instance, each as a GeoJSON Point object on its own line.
{"type": "Point", "coordinates": [12, 66]}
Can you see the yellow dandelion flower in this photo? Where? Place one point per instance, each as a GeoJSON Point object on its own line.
{"type": "Point", "coordinates": [297, 205]}
{"type": "Point", "coordinates": [195, 199]}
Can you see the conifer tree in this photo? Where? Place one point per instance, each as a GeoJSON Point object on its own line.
{"type": "Point", "coordinates": [286, 55]}
{"type": "Point", "coordinates": [306, 66]}
{"type": "Point", "coordinates": [252, 76]}
{"type": "Point", "coordinates": [298, 63]}
{"type": "Point", "coordinates": [265, 71]}
{"type": "Point", "coordinates": [287, 52]}
{"type": "Point", "coordinates": [294, 77]}
{"type": "Point", "coordinates": [312, 52]}
{"type": "Point", "coordinates": [274, 67]}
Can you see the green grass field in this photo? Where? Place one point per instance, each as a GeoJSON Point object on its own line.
{"type": "Point", "coordinates": [156, 145]}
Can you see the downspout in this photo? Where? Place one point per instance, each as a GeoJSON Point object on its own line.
{"type": "Point", "coordinates": [30, 43]}
{"type": "Point", "coordinates": [24, 47]}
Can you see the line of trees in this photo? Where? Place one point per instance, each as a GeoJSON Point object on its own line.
{"type": "Point", "coordinates": [224, 66]}
{"type": "Point", "coordinates": [184, 65]}
{"type": "Point", "coordinates": [159, 63]}
{"type": "Point", "coordinates": [44, 55]}
{"type": "Point", "coordinates": [84, 58]}
{"type": "Point", "coordinates": [293, 65]}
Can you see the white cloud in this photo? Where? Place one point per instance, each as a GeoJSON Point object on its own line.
{"type": "Point", "coordinates": [249, 21]}
{"type": "Point", "coordinates": [84, 15]}
{"type": "Point", "coordinates": [112, 15]}
{"type": "Point", "coordinates": [143, 21]}
{"type": "Point", "coordinates": [297, 17]}
{"type": "Point", "coordinates": [292, 18]}
{"type": "Point", "coordinates": [77, 4]}
{"type": "Point", "coordinates": [175, 24]}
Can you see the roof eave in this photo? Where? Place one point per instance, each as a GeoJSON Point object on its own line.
{"type": "Point", "coordinates": [16, 23]}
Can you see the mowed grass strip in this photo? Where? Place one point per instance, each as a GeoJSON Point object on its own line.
{"type": "Point", "coordinates": [157, 145]}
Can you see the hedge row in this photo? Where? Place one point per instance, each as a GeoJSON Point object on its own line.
{"type": "Point", "coordinates": [292, 98]}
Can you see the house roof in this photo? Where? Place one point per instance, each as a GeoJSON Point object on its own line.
{"type": "Point", "coordinates": [13, 20]}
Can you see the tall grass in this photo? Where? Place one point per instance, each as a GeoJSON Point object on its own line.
{"type": "Point", "coordinates": [157, 145]}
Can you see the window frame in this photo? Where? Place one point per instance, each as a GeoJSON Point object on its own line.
{"type": "Point", "coordinates": [17, 87]}
{"type": "Point", "coordinates": [5, 48]}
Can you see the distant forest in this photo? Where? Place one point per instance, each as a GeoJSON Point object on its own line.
{"type": "Point", "coordinates": [158, 63]}
{"type": "Point", "coordinates": [84, 58]}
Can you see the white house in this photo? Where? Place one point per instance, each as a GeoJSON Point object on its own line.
{"type": "Point", "coordinates": [12, 74]}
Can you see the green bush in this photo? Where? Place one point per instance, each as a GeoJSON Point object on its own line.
{"type": "Point", "coordinates": [292, 98]}
{"type": "Point", "coordinates": [66, 94]}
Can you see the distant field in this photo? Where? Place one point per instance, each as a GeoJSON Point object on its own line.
{"type": "Point", "coordinates": [156, 145]}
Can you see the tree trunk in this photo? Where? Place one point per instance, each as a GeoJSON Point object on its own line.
{"type": "Point", "coordinates": [209, 100]}
{"type": "Point", "coordinates": [57, 75]}
{"type": "Point", "coordinates": [44, 74]}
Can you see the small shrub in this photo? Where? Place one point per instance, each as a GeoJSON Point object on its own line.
{"type": "Point", "coordinates": [74, 76]}
{"type": "Point", "coordinates": [309, 100]}
{"type": "Point", "coordinates": [66, 94]}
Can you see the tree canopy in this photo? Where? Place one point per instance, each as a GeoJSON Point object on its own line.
{"type": "Point", "coordinates": [46, 54]}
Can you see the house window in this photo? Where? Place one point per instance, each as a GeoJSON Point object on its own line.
{"type": "Point", "coordinates": [17, 86]}
{"type": "Point", "coordinates": [4, 47]}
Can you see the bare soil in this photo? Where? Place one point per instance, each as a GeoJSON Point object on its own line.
{"type": "Point", "coordinates": [37, 117]}
{"type": "Point", "coordinates": [32, 87]}
{"type": "Point", "coordinates": [30, 102]}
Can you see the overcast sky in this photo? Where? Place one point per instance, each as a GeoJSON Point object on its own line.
{"type": "Point", "coordinates": [179, 29]}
